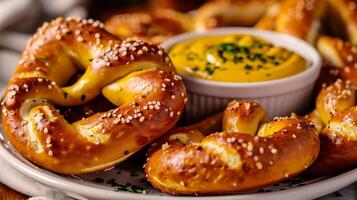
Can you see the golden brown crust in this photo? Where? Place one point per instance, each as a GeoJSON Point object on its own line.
{"type": "Point", "coordinates": [334, 98]}
{"type": "Point", "coordinates": [335, 104]}
{"type": "Point", "coordinates": [226, 162]}
{"type": "Point", "coordinates": [154, 27]}
{"type": "Point", "coordinates": [337, 52]}
{"type": "Point", "coordinates": [338, 144]}
{"type": "Point", "coordinates": [300, 18]}
{"type": "Point", "coordinates": [336, 111]}
{"type": "Point", "coordinates": [342, 55]}
{"type": "Point", "coordinates": [135, 76]}
{"type": "Point", "coordinates": [251, 116]}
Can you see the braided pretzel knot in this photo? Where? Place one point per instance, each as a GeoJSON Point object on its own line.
{"type": "Point", "coordinates": [336, 118]}
{"type": "Point", "coordinates": [335, 114]}
{"type": "Point", "coordinates": [228, 161]}
{"type": "Point", "coordinates": [135, 76]}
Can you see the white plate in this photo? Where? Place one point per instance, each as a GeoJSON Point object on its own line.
{"type": "Point", "coordinates": [121, 181]}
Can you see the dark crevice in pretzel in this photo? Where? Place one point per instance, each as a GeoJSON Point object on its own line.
{"type": "Point", "coordinates": [335, 117]}
{"type": "Point", "coordinates": [74, 78]}
{"type": "Point", "coordinates": [76, 113]}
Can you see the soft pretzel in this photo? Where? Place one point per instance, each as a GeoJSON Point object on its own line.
{"type": "Point", "coordinates": [247, 154]}
{"type": "Point", "coordinates": [336, 116]}
{"type": "Point", "coordinates": [343, 17]}
{"type": "Point", "coordinates": [300, 18]}
{"type": "Point", "coordinates": [218, 13]}
{"type": "Point", "coordinates": [135, 76]}
{"type": "Point", "coordinates": [341, 54]}
{"type": "Point", "coordinates": [154, 27]}
{"type": "Point", "coordinates": [335, 113]}
{"type": "Point", "coordinates": [337, 52]}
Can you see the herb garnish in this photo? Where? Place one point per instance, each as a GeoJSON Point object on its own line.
{"type": "Point", "coordinates": [127, 188]}
{"type": "Point", "coordinates": [209, 69]}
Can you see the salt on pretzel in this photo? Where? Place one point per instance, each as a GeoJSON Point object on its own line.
{"type": "Point", "coordinates": [300, 18]}
{"type": "Point", "coordinates": [189, 162]}
{"type": "Point", "coordinates": [154, 27]}
{"type": "Point", "coordinates": [336, 118]}
{"type": "Point", "coordinates": [135, 76]}
{"type": "Point", "coordinates": [337, 52]}
{"type": "Point", "coordinates": [336, 113]}
{"type": "Point", "coordinates": [219, 13]}
{"type": "Point", "coordinates": [342, 55]}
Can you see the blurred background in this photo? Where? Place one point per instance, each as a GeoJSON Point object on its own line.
{"type": "Point", "coordinates": [154, 20]}
{"type": "Point", "coordinates": [19, 19]}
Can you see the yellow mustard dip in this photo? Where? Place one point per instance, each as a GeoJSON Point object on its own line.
{"type": "Point", "coordinates": [235, 58]}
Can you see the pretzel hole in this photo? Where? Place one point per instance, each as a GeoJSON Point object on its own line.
{"type": "Point", "coordinates": [87, 109]}
{"type": "Point", "coordinates": [76, 113]}
{"type": "Point", "coordinates": [95, 79]}
{"type": "Point", "coordinates": [117, 93]}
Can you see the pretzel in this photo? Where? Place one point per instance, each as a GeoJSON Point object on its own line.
{"type": "Point", "coordinates": [154, 27]}
{"type": "Point", "coordinates": [249, 153]}
{"type": "Point", "coordinates": [300, 18]}
{"type": "Point", "coordinates": [340, 54]}
{"type": "Point", "coordinates": [336, 117]}
{"type": "Point", "coordinates": [336, 111]}
{"type": "Point", "coordinates": [219, 13]}
{"type": "Point", "coordinates": [136, 77]}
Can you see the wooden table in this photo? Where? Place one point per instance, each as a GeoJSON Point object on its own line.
{"type": "Point", "coordinates": [8, 194]}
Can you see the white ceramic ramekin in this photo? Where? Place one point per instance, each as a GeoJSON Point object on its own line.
{"type": "Point", "coordinates": [279, 97]}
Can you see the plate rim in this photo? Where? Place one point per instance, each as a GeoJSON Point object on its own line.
{"type": "Point", "coordinates": [312, 190]}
